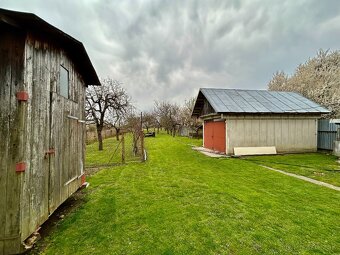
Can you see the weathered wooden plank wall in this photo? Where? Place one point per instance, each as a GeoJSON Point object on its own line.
{"type": "Point", "coordinates": [4, 129]}
{"type": "Point", "coordinates": [34, 205]}
{"type": "Point", "coordinates": [11, 66]}
{"type": "Point", "coordinates": [51, 178]}
{"type": "Point", "coordinates": [29, 129]}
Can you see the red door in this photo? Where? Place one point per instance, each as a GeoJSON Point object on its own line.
{"type": "Point", "coordinates": [214, 136]}
{"type": "Point", "coordinates": [208, 135]}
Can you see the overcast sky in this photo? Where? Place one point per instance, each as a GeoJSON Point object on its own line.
{"type": "Point", "coordinates": [167, 50]}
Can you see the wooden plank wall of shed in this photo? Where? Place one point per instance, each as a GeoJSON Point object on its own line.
{"type": "Point", "coordinates": [44, 187]}
{"type": "Point", "coordinates": [11, 77]}
{"type": "Point", "coordinates": [207, 108]}
{"type": "Point", "coordinates": [34, 204]}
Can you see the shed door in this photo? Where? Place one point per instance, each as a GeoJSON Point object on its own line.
{"type": "Point", "coordinates": [66, 140]}
{"type": "Point", "coordinates": [214, 136]}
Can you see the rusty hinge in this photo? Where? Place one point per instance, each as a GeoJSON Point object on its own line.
{"type": "Point", "coordinates": [51, 151]}
{"type": "Point", "coordinates": [20, 167]}
{"type": "Point", "coordinates": [22, 96]}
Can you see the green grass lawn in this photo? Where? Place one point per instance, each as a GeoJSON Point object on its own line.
{"type": "Point", "coordinates": [322, 167]}
{"type": "Point", "coordinates": [182, 202]}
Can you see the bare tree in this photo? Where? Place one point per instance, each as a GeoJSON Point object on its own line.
{"type": "Point", "coordinates": [162, 109]}
{"type": "Point", "coordinates": [186, 111]}
{"type": "Point", "coordinates": [149, 120]}
{"type": "Point", "coordinates": [186, 120]}
{"type": "Point", "coordinates": [104, 103]}
{"type": "Point", "coordinates": [318, 79]}
{"type": "Point", "coordinates": [157, 120]}
{"type": "Point", "coordinates": [133, 125]}
{"type": "Point", "coordinates": [174, 116]}
{"type": "Point", "coordinates": [115, 119]}
{"type": "Point", "coordinates": [168, 115]}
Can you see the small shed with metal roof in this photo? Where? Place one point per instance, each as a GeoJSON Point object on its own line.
{"type": "Point", "coordinates": [43, 76]}
{"type": "Point", "coordinates": [235, 118]}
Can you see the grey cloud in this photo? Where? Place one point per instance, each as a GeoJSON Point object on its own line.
{"type": "Point", "coordinates": [167, 49]}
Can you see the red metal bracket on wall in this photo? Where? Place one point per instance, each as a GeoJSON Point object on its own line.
{"type": "Point", "coordinates": [83, 178]}
{"type": "Point", "coordinates": [22, 96]}
{"type": "Point", "coordinates": [20, 167]}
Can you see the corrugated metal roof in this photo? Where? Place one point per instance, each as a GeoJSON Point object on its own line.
{"type": "Point", "coordinates": [259, 101]}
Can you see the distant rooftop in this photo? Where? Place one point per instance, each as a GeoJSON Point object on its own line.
{"type": "Point", "coordinates": [255, 101]}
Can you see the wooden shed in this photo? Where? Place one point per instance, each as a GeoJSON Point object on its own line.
{"type": "Point", "coordinates": [43, 76]}
{"type": "Point", "coordinates": [236, 118]}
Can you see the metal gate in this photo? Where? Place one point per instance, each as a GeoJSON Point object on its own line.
{"type": "Point", "coordinates": [326, 134]}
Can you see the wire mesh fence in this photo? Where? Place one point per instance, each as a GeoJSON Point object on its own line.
{"type": "Point", "coordinates": [128, 148]}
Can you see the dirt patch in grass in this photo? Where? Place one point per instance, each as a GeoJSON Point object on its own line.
{"type": "Point", "coordinates": [92, 170]}
{"type": "Point", "coordinates": [49, 226]}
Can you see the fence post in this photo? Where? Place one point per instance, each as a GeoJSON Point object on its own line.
{"type": "Point", "coordinates": [123, 148]}
{"type": "Point", "coordinates": [142, 144]}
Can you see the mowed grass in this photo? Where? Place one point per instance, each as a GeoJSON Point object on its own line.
{"type": "Point", "coordinates": [182, 202]}
{"type": "Point", "coordinates": [319, 166]}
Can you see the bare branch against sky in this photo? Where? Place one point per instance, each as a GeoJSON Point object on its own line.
{"type": "Point", "coordinates": [166, 50]}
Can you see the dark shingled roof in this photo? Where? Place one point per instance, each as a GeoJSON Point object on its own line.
{"type": "Point", "coordinates": [256, 101]}
{"type": "Point", "coordinates": [74, 48]}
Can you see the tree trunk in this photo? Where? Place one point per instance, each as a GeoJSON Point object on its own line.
{"type": "Point", "coordinates": [123, 149]}
{"type": "Point", "coordinates": [135, 147]}
{"type": "Point", "coordinates": [100, 138]}
{"type": "Point", "coordinates": [117, 133]}
{"type": "Point", "coordinates": [147, 129]}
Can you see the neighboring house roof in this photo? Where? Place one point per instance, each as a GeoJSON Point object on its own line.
{"type": "Point", "coordinates": [74, 48]}
{"type": "Point", "coordinates": [255, 101]}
